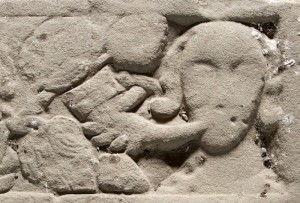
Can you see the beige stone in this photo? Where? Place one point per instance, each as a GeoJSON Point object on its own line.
{"type": "Point", "coordinates": [176, 101]}
{"type": "Point", "coordinates": [119, 174]}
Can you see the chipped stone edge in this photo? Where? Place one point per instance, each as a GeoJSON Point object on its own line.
{"type": "Point", "coordinates": [67, 8]}
{"type": "Point", "coordinates": [146, 198]}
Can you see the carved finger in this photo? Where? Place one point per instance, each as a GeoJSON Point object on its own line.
{"type": "Point", "coordinates": [119, 145]}
{"type": "Point", "coordinates": [151, 85]}
{"type": "Point", "coordinates": [104, 139]}
{"type": "Point", "coordinates": [130, 99]}
{"type": "Point", "coordinates": [91, 129]}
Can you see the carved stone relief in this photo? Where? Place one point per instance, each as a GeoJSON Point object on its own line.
{"type": "Point", "coordinates": [154, 98]}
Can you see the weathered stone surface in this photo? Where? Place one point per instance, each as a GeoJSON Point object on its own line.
{"type": "Point", "coordinates": [7, 92]}
{"type": "Point", "coordinates": [182, 12]}
{"type": "Point", "coordinates": [270, 115]}
{"type": "Point", "coordinates": [119, 145]}
{"type": "Point", "coordinates": [17, 126]}
{"type": "Point", "coordinates": [222, 174]}
{"type": "Point", "coordinates": [191, 12]}
{"type": "Point", "coordinates": [136, 42]}
{"type": "Point", "coordinates": [119, 174]}
{"type": "Point", "coordinates": [171, 198]}
{"type": "Point", "coordinates": [10, 162]}
{"type": "Point", "coordinates": [43, 7]}
{"type": "Point", "coordinates": [58, 154]}
{"type": "Point", "coordinates": [155, 169]}
{"type": "Point", "coordinates": [104, 139]}
{"type": "Point", "coordinates": [149, 84]}
{"type": "Point", "coordinates": [4, 132]}
{"type": "Point", "coordinates": [230, 65]}
{"type": "Point", "coordinates": [164, 108]}
{"type": "Point", "coordinates": [15, 197]}
{"type": "Point", "coordinates": [82, 100]}
{"type": "Point", "coordinates": [199, 97]}
{"type": "Point", "coordinates": [91, 129]}
{"type": "Point", "coordinates": [45, 98]}
{"type": "Point", "coordinates": [274, 86]}
{"type": "Point", "coordinates": [6, 182]}
{"type": "Point", "coordinates": [60, 42]}
{"type": "Point", "coordinates": [142, 134]}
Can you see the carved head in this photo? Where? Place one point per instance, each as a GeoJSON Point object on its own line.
{"type": "Point", "coordinates": [222, 70]}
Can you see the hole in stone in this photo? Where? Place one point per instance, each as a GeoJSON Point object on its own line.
{"type": "Point", "coordinates": [233, 119]}
{"type": "Point", "coordinates": [268, 28]}
{"type": "Point", "coordinates": [267, 163]}
{"type": "Point", "coordinates": [220, 106]}
{"type": "Point", "coordinates": [254, 101]}
{"type": "Point", "coordinates": [147, 154]}
{"type": "Point", "coordinates": [102, 148]}
{"type": "Point", "coordinates": [245, 121]}
{"type": "Point", "coordinates": [281, 69]}
{"type": "Point", "coordinates": [43, 36]}
{"type": "Point", "coordinates": [181, 47]}
{"type": "Point", "coordinates": [176, 158]}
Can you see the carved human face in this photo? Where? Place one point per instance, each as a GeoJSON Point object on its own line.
{"type": "Point", "coordinates": [222, 73]}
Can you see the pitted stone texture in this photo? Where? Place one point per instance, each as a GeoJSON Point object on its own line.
{"type": "Point", "coordinates": [4, 132]}
{"type": "Point", "coordinates": [58, 154]}
{"type": "Point", "coordinates": [164, 108]}
{"type": "Point", "coordinates": [190, 12]}
{"type": "Point", "coordinates": [30, 197]}
{"type": "Point", "coordinates": [136, 42]}
{"type": "Point", "coordinates": [274, 86]}
{"type": "Point", "coordinates": [45, 98]}
{"type": "Point", "coordinates": [222, 174]}
{"type": "Point", "coordinates": [155, 169]}
{"type": "Point", "coordinates": [7, 85]}
{"type": "Point", "coordinates": [6, 182]}
{"type": "Point", "coordinates": [150, 198]}
{"type": "Point", "coordinates": [221, 80]}
{"type": "Point", "coordinates": [13, 33]}
{"type": "Point", "coordinates": [270, 114]}
{"type": "Point", "coordinates": [17, 127]}
{"type": "Point", "coordinates": [238, 170]}
{"type": "Point", "coordinates": [83, 99]}
{"type": "Point", "coordinates": [142, 133]}
{"type": "Point", "coordinates": [58, 49]}
{"type": "Point", "coordinates": [287, 149]}
{"type": "Point", "coordinates": [118, 173]}
{"type": "Point", "coordinates": [43, 7]}
{"type": "Point", "coordinates": [182, 12]}
{"type": "Point", "coordinates": [10, 162]}
{"type": "Point", "coordinates": [18, 197]}
{"type": "Point", "coordinates": [91, 129]}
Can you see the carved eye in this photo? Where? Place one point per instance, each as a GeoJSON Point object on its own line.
{"type": "Point", "coordinates": [206, 64]}
{"type": "Point", "coordinates": [235, 64]}
{"type": "Point", "coordinates": [207, 61]}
